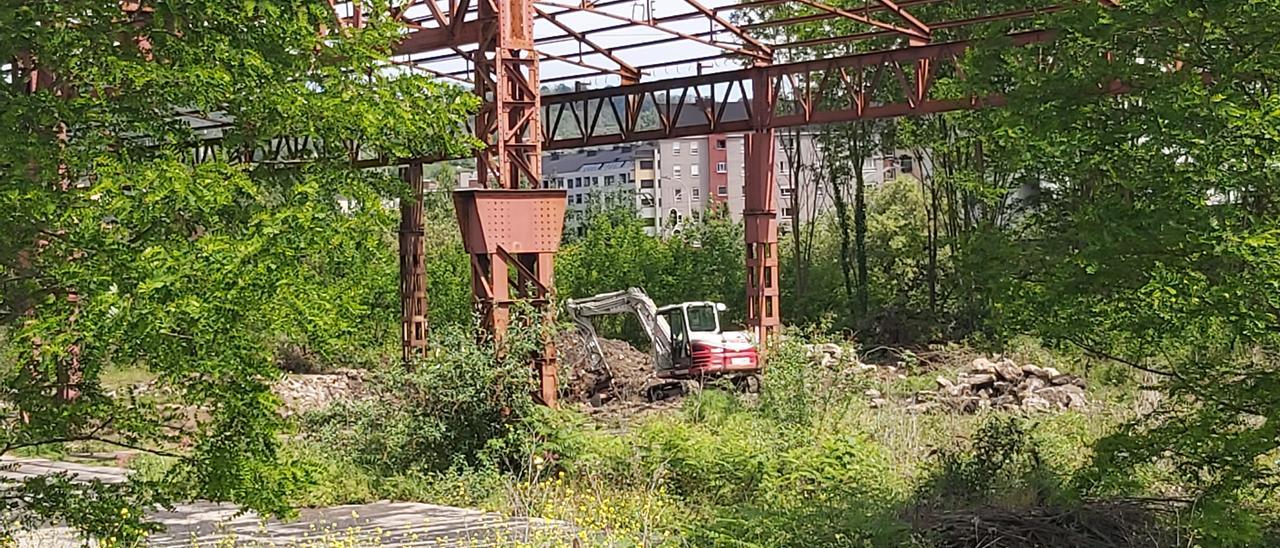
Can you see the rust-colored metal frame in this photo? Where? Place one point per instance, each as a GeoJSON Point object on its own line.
{"type": "Point", "coordinates": [504, 56]}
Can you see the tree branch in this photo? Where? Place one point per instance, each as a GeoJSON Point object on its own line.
{"type": "Point", "coordinates": [1106, 356]}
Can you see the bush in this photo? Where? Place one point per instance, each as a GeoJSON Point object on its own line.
{"type": "Point", "coordinates": [1003, 465]}
{"type": "Point", "coordinates": [460, 405]}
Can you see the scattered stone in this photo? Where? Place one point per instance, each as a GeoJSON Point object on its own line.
{"type": "Point", "coordinates": [983, 366]}
{"type": "Point", "coordinates": [1073, 380]}
{"type": "Point", "coordinates": [1031, 384]}
{"type": "Point", "coordinates": [1010, 372]}
{"type": "Point", "coordinates": [878, 403]}
{"type": "Point", "coordinates": [872, 394]}
{"type": "Point", "coordinates": [977, 379]}
{"type": "Point", "coordinates": [1004, 385]}
{"type": "Point", "coordinates": [1034, 370]}
{"type": "Point", "coordinates": [302, 393]}
{"type": "Point", "coordinates": [1035, 403]}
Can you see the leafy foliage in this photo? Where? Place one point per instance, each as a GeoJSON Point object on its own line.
{"type": "Point", "coordinates": [132, 240]}
{"type": "Point", "coordinates": [459, 405]}
{"type": "Point", "coordinates": [1154, 243]}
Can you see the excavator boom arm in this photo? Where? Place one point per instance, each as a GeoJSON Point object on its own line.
{"type": "Point", "coordinates": [631, 300]}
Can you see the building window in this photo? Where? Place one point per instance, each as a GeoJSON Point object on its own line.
{"type": "Point", "coordinates": [722, 167]}
{"type": "Point", "coordinates": [646, 164]}
{"type": "Point", "coordinates": [906, 163]}
{"type": "Point", "coordinates": [783, 168]}
{"type": "Point", "coordinates": [646, 199]}
{"type": "Point", "coordinates": [646, 183]}
{"type": "Point", "coordinates": [693, 170]}
{"type": "Point", "coordinates": [697, 215]}
{"type": "Point", "coordinates": [675, 148]}
{"type": "Point", "coordinates": [720, 144]}
{"type": "Point", "coordinates": [722, 190]}
{"type": "Point", "coordinates": [679, 194]}
{"type": "Point", "coordinates": [786, 192]}
{"type": "Point", "coordinates": [693, 148]}
{"type": "Point", "coordinates": [695, 194]}
{"type": "Point", "coordinates": [675, 171]}
{"type": "Point", "coordinates": [788, 212]}
{"type": "Point", "coordinates": [608, 179]}
{"type": "Point", "coordinates": [595, 181]}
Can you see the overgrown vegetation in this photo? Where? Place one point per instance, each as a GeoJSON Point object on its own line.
{"type": "Point", "coordinates": [809, 462]}
{"type": "Point", "coordinates": [1133, 236]}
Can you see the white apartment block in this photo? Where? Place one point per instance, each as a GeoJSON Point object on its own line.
{"type": "Point", "coordinates": [696, 174]}
{"type": "Point", "coordinates": [674, 181]}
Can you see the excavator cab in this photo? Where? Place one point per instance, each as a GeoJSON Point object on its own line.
{"type": "Point", "coordinates": [688, 318]}
{"type": "Point", "coordinates": [699, 345]}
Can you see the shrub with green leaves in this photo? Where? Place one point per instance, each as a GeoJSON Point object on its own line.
{"type": "Point", "coordinates": [131, 240]}
{"type": "Point", "coordinates": [462, 404]}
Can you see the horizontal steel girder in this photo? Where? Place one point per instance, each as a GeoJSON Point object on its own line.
{"type": "Point", "coordinates": [719, 103]}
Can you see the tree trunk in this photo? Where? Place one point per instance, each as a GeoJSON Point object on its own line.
{"type": "Point", "coordinates": [927, 185]}
{"type": "Point", "coordinates": [795, 166]}
{"type": "Point", "coordinates": [842, 219]}
{"type": "Point", "coordinates": [860, 233]}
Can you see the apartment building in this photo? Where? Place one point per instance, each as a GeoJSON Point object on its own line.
{"type": "Point", "coordinates": [674, 181]}
{"type": "Point", "coordinates": [696, 174]}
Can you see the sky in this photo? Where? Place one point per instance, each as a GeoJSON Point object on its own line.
{"type": "Point", "coordinates": [638, 9]}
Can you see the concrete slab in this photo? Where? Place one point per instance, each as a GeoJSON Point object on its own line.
{"type": "Point", "coordinates": [378, 524]}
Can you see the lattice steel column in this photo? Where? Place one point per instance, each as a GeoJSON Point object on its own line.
{"type": "Point", "coordinates": [760, 217]}
{"type": "Point", "coordinates": [509, 124]}
{"type": "Point", "coordinates": [413, 267]}
{"type": "Point", "coordinates": [514, 233]}
{"type": "Point", "coordinates": [506, 79]}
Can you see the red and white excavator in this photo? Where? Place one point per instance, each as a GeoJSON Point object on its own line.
{"type": "Point", "coordinates": [689, 344]}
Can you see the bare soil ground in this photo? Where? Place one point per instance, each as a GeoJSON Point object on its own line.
{"type": "Point", "coordinates": [610, 391]}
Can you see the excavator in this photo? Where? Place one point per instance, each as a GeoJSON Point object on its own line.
{"type": "Point", "coordinates": [688, 343]}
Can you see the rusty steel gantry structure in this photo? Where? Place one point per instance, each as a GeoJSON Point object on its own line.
{"type": "Point", "coordinates": [880, 57]}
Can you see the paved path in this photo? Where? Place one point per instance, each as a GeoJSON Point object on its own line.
{"type": "Point", "coordinates": [377, 524]}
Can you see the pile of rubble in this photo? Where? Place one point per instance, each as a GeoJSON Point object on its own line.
{"type": "Point", "coordinates": [1007, 386]}
{"type": "Point", "coordinates": [622, 377]}
{"type": "Point", "coordinates": [832, 354]}
{"type": "Point", "coordinates": [302, 393]}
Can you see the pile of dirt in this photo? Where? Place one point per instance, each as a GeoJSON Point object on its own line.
{"type": "Point", "coordinates": [622, 377]}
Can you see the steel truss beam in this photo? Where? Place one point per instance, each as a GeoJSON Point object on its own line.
{"type": "Point", "coordinates": [719, 103]}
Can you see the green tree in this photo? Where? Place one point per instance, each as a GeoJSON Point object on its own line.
{"type": "Point", "coordinates": [703, 262]}
{"type": "Point", "coordinates": [1151, 128]}
{"type": "Point", "coordinates": [134, 240]}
